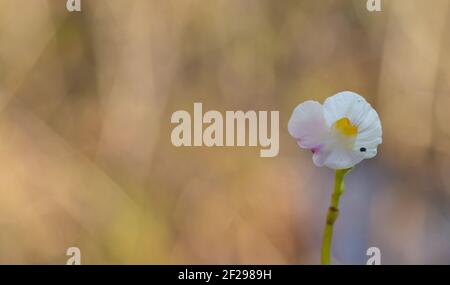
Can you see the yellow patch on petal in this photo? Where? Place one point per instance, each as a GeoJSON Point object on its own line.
{"type": "Point", "coordinates": [345, 127]}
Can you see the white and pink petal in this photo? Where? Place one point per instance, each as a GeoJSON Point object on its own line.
{"type": "Point", "coordinates": [307, 125]}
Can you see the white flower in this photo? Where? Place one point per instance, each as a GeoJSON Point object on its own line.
{"type": "Point", "coordinates": [340, 133]}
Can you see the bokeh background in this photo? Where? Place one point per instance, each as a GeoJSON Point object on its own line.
{"type": "Point", "coordinates": [86, 158]}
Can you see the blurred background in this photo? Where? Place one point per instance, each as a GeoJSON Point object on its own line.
{"type": "Point", "coordinates": [86, 158]}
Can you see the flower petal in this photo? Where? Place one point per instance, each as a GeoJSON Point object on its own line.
{"type": "Point", "coordinates": [337, 158]}
{"type": "Point", "coordinates": [307, 125]}
{"type": "Point", "coordinates": [369, 135]}
{"type": "Point", "coordinates": [361, 114]}
{"type": "Point", "coordinates": [346, 105]}
{"type": "Point", "coordinates": [341, 133]}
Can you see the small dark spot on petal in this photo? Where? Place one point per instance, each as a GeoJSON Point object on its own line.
{"type": "Point", "coordinates": [363, 149]}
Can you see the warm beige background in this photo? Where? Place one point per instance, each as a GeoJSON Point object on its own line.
{"type": "Point", "coordinates": [85, 152]}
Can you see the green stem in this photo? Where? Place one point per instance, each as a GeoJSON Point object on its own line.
{"type": "Point", "coordinates": [333, 213]}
